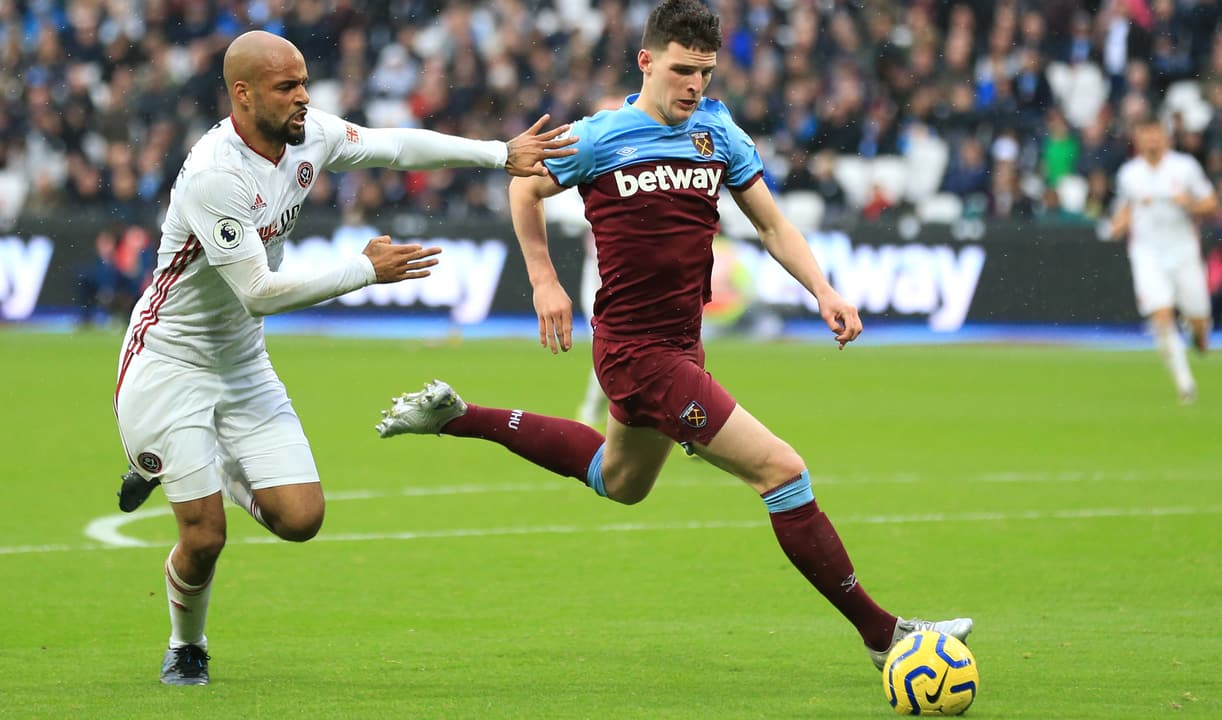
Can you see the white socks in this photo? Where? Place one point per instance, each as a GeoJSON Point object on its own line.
{"type": "Point", "coordinates": [236, 490]}
{"type": "Point", "coordinates": [1175, 356]}
{"type": "Point", "coordinates": [188, 607]}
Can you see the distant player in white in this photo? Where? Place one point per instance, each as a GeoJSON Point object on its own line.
{"type": "Point", "coordinates": [1160, 194]}
{"type": "Point", "coordinates": [200, 409]}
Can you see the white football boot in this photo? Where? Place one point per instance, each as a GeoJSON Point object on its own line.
{"type": "Point", "coordinates": [959, 628]}
{"type": "Point", "coordinates": [423, 413]}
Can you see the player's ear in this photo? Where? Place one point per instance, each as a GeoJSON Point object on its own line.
{"type": "Point", "coordinates": [644, 60]}
{"type": "Point", "coordinates": [241, 93]}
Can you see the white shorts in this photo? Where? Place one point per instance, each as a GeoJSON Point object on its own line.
{"type": "Point", "coordinates": [176, 419]}
{"type": "Point", "coordinates": [590, 283]}
{"type": "Point", "coordinates": [1169, 280]}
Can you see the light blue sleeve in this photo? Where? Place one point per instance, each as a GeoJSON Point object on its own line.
{"type": "Point", "coordinates": [744, 161]}
{"type": "Point", "coordinates": [579, 168]}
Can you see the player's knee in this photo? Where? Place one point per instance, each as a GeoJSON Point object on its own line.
{"type": "Point", "coordinates": [628, 495]}
{"type": "Point", "coordinates": [782, 465]}
{"type": "Point", "coordinates": [628, 488]}
{"type": "Point", "coordinates": [202, 545]}
{"type": "Point", "coordinates": [297, 526]}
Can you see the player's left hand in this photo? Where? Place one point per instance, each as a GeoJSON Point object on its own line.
{"type": "Point", "coordinates": [841, 316]}
{"type": "Point", "coordinates": [528, 150]}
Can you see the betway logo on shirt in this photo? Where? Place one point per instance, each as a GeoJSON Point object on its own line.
{"type": "Point", "coordinates": [667, 178]}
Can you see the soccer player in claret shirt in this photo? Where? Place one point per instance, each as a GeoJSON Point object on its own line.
{"type": "Point", "coordinates": [650, 174]}
{"type": "Point", "coordinates": [200, 408]}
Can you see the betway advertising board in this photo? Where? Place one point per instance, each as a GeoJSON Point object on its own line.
{"type": "Point", "coordinates": [1010, 274]}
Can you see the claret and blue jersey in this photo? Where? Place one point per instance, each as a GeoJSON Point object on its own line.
{"type": "Point", "coordinates": [651, 194]}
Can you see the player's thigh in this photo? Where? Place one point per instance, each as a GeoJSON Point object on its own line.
{"type": "Point", "coordinates": [1192, 289]}
{"type": "Point", "coordinates": [165, 415]}
{"type": "Point", "coordinates": [632, 459]}
{"type": "Point", "coordinates": [1153, 284]}
{"type": "Point", "coordinates": [261, 435]}
{"type": "Point", "coordinates": [747, 449]}
{"type": "Point", "coordinates": [259, 429]}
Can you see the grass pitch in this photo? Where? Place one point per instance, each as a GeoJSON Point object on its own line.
{"type": "Point", "coordinates": [1059, 496]}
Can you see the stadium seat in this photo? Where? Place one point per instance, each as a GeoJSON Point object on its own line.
{"type": "Point", "coordinates": [1184, 98]}
{"type": "Point", "coordinates": [890, 172]}
{"type": "Point", "coordinates": [927, 157]}
{"type": "Point", "coordinates": [325, 95]}
{"type": "Point", "coordinates": [941, 208]}
{"type": "Point", "coordinates": [1071, 192]}
{"type": "Point", "coordinates": [568, 210]}
{"type": "Point", "coordinates": [854, 175]}
{"type": "Point", "coordinates": [733, 222]}
{"type": "Point", "coordinates": [804, 209]}
{"type": "Point", "coordinates": [13, 190]}
{"type": "Point", "coordinates": [1080, 89]}
{"type": "Point", "coordinates": [389, 112]}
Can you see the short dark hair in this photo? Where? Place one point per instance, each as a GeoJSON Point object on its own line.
{"type": "Point", "coordinates": [1148, 119]}
{"type": "Point", "coordinates": [687, 22]}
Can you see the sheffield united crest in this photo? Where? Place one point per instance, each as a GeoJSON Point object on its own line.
{"type": "Point", "coordinates": [703, 142]}
{"type": "Point", "coordinates": [305, 174]}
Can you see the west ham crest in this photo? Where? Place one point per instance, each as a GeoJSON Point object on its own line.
{"type": "Point", "coordinates": [703, 142]}
{"type": "Point", "coordinates": [694, 415]}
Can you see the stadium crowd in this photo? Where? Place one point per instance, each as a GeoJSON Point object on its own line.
{"type": "Point", "coordinates": [947, 108]}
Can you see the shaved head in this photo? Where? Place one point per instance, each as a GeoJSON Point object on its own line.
{"type": "Point", "coordinates": [266, 78]}
{"type": "Point", "coordinates": [255, 53]}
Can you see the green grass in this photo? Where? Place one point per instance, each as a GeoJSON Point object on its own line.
{"type": "Point", "coordinates": [1059, 496]}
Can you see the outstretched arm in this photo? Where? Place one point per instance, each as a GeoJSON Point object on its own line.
{"type": "Point", "coordinates": [552, 303]}
{"type": "Point", "coordinates": [784, 242]}
{"type": "Point", "coordinates": [263, 291]}
{"type": "Point", "coordinates": [415, 149]}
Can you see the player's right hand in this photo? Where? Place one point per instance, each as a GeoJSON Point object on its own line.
{"type": "Point", "coordinates": [841, 317]}
{"type": "Point", "coordinates": [392, 263]}
{"type": "Point", "coordinates": [555, 311]}
{"type": "Point", "coordinates": [528, 150]}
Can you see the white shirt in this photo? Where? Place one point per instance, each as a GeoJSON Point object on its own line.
{"type": "Point", "coordinates": [231, 210]}
{"type": "Point", "coordinates": [1158, 223]}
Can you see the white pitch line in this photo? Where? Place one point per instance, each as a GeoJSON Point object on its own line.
{"type": "Point", "coordinates": [106, 530]}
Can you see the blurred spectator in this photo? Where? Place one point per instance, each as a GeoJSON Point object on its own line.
{"type": "Point", "coordinates": [100, 99]}
{"type": "Point", "coordinates": [1032, 93]}
{"type": "Point", "coordinates": [1006, 199]}
{"type": "Point", "coordinates": [110, 285]}
{"type": "Point", "coordinates": [1124, 26]}
{"type": "Point", "coordinates": [967, 174]}
{"type": "Point", "coordinates": [835, 202]}
{"type": "Point", "coordinates": [1059, 156]}
{"type": "Point", "coordinates": [99, 284]}
{"type": "Point", "coordinates": [1099, 149]}
{"type": "Point", "coordinates": [1099, 194]}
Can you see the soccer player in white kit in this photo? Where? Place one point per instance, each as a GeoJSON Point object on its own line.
{"type": "Point", "coordinates": [1160, 194]}
{"type": "Point", "coordinates": [198, 405]}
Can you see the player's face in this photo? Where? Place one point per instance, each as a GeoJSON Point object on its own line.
{"type": "Point", "coordinates": [675, 80]}
{"type": "Point", "coordinates": [280, 100]}
{"type": "Point", "coordinates": [1151, 141]}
